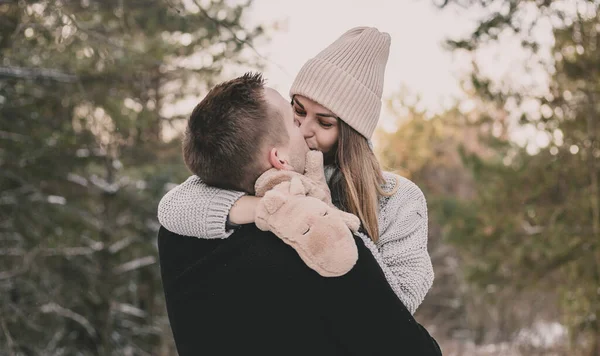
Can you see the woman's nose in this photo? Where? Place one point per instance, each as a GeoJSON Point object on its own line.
{"type": "Point", "coordinates": [306, 128]}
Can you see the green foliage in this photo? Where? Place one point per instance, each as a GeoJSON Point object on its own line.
{"type": "Point", "coordinates": [535, 221]}
{"type": "Point", "coordinates": [521, 222]}
{"type": "Point", "coordinates": [83, 91]}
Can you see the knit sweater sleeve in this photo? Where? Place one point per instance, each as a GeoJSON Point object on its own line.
{"type": "Point", "coordinates": [196, 209]}
{"type": "Point", "coordinates": [403, 241]}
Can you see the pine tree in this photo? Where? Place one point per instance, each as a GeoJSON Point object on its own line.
{"type": "Point", "coordinates": [85, 90]}
{"type": "Point", "coordinates": [535, 221]}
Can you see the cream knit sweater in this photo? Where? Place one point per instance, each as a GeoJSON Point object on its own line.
{"type": "Point", "coordinates": [195, 209]}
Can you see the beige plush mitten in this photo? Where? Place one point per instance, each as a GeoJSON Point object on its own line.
{"type": "Point", "coordinates": [320, 234]}
{"type": "Point", "coordinates": [313, 179]}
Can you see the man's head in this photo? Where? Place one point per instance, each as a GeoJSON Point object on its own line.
{"type": "Point", "coordinates": [240, 130]}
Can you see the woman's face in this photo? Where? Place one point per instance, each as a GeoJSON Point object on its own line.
{"type": "Point", "coordinates": [319, 126]}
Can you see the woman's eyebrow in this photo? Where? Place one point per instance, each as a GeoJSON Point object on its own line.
{"type": "Point", "coordinates": [327, 115]}
{"type": "Point", "coordinates": [299, 103]}
{"type": "Point", "coordinates": [319, 114]}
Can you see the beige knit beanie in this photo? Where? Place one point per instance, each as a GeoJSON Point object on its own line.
{"type": "Point", "coordinates": [347, 77]}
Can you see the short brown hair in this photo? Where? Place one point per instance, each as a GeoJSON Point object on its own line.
{"type": "Point", "coordinates": [228, 130]}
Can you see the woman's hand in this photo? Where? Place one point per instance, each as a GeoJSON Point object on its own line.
{"type": "Point", "coordinates": [243, 210]}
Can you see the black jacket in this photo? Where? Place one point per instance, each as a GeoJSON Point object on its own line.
{"type": "Point", "coordinates": [250, 294]}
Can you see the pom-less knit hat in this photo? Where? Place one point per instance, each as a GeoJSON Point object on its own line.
{"type": "Point", "coordinates": [347, 77]}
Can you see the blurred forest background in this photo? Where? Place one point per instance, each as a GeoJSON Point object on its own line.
{"type": "Point", "coordinates": [87, 149]}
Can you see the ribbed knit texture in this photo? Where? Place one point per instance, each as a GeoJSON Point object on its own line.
{"type": "Point", "coordinates": [206, 209]}
{"type": "Point", "coordinates": [195, 209]}
{"type": "Point", "coordinates": [347, 77]}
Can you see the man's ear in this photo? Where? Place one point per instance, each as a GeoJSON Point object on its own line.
{"type": "Point", "coordinates": [277, 161]}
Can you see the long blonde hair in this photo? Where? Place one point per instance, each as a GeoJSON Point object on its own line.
{"type": "Point", "coordinates": [357, 180]}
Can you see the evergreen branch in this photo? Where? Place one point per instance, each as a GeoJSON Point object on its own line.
{"type": "Point", "coordinates": [563, 258]}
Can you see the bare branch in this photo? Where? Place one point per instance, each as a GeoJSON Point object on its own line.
{"type": "Point", "coordinates": [131, 310]}
{"type": "Point", "coordinates": [55, 339]}
{"type": "Point", "coordinates": [37, 73]}
{"type": "Point", "coordinates": [68, 251]}
{"type": "Point", "coordinates": [27, 259]}
{"type": "Point", "coordinates": [12, 252]}
{"type": "Point", "coordinates": [244, 42]}
{"type": "Point", "coordinates": [9, 339]}
{"type": "Point", "coordinates": [135, 264]}
{"type": "Point", "coordinates": [67, 313]}
{"type": "Point", "coordinates": [59, 251]}
{"type": "Point", "coordinates": [5, 135]}
{"type": "Point", "coordinates": [121, 244]}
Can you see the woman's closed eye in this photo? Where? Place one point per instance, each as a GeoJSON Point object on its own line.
{"type": "Point", "coordinates": [299, 112]}
{"type": "Point", "coordinates": [325, 124]}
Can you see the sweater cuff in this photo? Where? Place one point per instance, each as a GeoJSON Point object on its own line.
{"type": "Point", "coordinates": [218, 211]}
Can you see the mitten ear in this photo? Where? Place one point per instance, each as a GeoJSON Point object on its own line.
{"type": "Point", "coordinates": [272, 178]}
{"type": "Point", "coordinates": [351, 220]}
{"type": "Point", "coordinates": [266, 182]}
{"type": "Point", "coordinates": [297, 187]}
{"type": "Point", "coordinates": [273, 200]}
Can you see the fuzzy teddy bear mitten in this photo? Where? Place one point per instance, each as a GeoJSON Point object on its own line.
{"type": "Point", "coordinates": [320, 234]}
{"type": "Point", "coordinates": [313, 179]}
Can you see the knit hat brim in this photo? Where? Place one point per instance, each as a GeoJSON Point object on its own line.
{"type": "Point", "coordinates": [331, 86]}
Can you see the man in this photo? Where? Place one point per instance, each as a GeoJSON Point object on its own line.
{"type": "Point", "coordinates": [251, 293]}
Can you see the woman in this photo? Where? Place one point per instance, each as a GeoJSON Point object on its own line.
{"type": "Point", "coordinates": [336, 98]}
